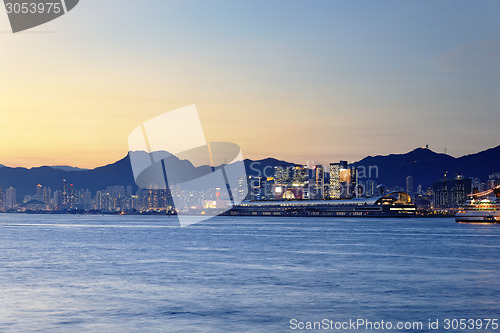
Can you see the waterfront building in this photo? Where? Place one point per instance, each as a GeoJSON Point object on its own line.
{"type": "Point", "coordinates": [410, 187]}
{"type": "Point", "coordinates": [419, 189]}
{"type": "Point", "coordinates": [348, 181]}
{"type": "Point", "coordinates": [370, 188]}
{"type": "Point", "coordinates": [281, 175]}
{"type": "Point", "coordinates": [452, 193]}
{"type": "Point", "coordinates": [10, 198]}
{"type": "Point", "coordinates": [47, 197]}
{"type": "Point", "coordinates": [33, 205]}
{"type": "Point", "coordinates": [493, 180]}
{"type": "Point", "coordinates": [300, 176]}
{"type": "Point", "coordinates": [2, 199]}
{"type": "Point", "coordinates": [64, 193]}
{"type": "Point", "coordinates": [343, 181]}
{"type": "Point", "coordinates": [57, 200]}
{"type": "Point", "coordinates": [299, 182]}
{"type": "Point", "coordinates": [39, 192]}
{"type": "Point", "coordinates": [390, 204]}
{"type": "Point", "coordinates": [319, 182]}
{"type": "Point", "coordinates": [335, 189]}
{"type": "Point", "coordinates": [71, 197]}
{"type": "Point", "coordinates": [254, 188]}
{"type": "Point", "coordinates": [423, 201]}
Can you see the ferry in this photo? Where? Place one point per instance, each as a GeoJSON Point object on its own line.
{"type": "Point", "coordinates": [481, 207]}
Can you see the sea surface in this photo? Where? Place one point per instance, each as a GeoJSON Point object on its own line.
{"type": "Point", "coordinates": [92, 273]}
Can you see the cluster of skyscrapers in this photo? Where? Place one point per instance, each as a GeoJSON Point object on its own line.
{"type": "Point", "coordinates": [452, 192]}
{"type": "Point", "coordinates": [340, 181]}
{"type": "Point", "coordinates": [68, 198]}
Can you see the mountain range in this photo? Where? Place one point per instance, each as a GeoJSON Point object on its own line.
{"type": "Point", "coordinates": [424, 165]}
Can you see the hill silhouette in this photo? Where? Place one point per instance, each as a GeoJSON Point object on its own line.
{"type": "Point", "coordinates": [424, 165]}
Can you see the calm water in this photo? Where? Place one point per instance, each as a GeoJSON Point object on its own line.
{"type": "Point", "coordinates": [129, 273]}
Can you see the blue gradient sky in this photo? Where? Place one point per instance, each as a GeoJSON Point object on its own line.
{"type": "Point", "coordinates": [297, 80]}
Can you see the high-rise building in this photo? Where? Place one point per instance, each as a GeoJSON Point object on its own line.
{"type": "Point", "coordinates": [57, 200]}
{"type": "Point", "coordinates": [494, 180]}
{"type": "Point", "coordinates": [71, 196]}
{"type": "Point", "coordinates": [157, 199]}
{"type": "Point", "coordinates": [352, 183]}
{"type": "Point", "coordinates": [10, 198]}
{"type": "Point", "coordinates": [254, 188]}
{"type": "Point", "coordinates": [2, 199]}
{"type": "Point", "coordinates": [370, 188]}
{"type": "Point", "coordinates": [39, 192]}
{"type": "Point", "coordinates": [348, 180]}
{"type": "Point", "coordinates": [451, 193]}
{"type": "Point", "coordinates": [129, 191]}
{"type": "Point", "coordinates": [268, 189]}
{"type": "Point", "coordinates": [300, 181]}
{"type": "Point", "coordinates": [85, 199]}
{"type": "Point", "coordinates": [281, 175]}
{"type": "Point", "coordinates": [47, 197]}
{"type": "Point", "coordinates": [319, 181]}
{"type": "Point", "coordinates": [299, 176]}
{"type": "Point", "coordinates": [282, 179]}
{"type": "Point", "coordinates": [419, 189]}
{"type": "Point", "coordinates": [64, 193]}
{"type": "Point", "coordinates": [409, 187]}
{"type": "Point", "coordinates": [335, 189]}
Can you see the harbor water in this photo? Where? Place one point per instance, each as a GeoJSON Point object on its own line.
{"type": "Point", "coordinates": [93, 273]}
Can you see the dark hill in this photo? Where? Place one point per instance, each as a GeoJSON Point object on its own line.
{"type": "Point", "coordinates": [118, 173]}
{"type": "Point", "coordinates": [426, 166]}
{"type": "Point", "coordinates": [25, 180]}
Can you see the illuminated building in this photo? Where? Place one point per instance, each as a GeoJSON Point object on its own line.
{"type": "Point", "coordinates": [410, 187]}
{"type": "Point", "coordinates": [390, 204]}
{"type": "Point", "coordinates": [293, 194]}
{"type": "Point", "coordinates": [254, 188]}
{"type": "Point", "coordinates": [242, 188]}
{"type": "Point", "coordinates": [47, 196]}
{"type": "Point", "coordinates": [300, 182]}
{"type": "Point", "coordinates": [71, 196]}
{"type": "Point", "coordinates": [281, 175]}
{"type": "Point", "coordinates": [452, 193]}
{"type": "Point", "coordinates": [64, 193]}
{"type": "Point", "coordinates": [319, 182]}
{"type": "Point", "coordinates": [299, 176]}
{"type": "Point", "coordinates": [39, 192]}
{"type": "Point", "coordinates": [343, 181]}
{"type": "Point", "coordinates": [335, 189]}
{"type": "Point", "coordinates": [281, 180]}
{"type": "Point", "coordinates": [370, 188]}
{"type": "Point", "coordinates": [494, 180]}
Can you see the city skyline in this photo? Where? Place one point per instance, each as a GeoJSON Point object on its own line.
{"type": "Point", "coordinates": [297, 81]}
{"type": "Point", "coordinates": [344, 182]}
{"type": "Point", "coordinates": [422, 164]}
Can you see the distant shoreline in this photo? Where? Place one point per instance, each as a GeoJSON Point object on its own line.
{"type": "Point", "coordinates": [418, 215]}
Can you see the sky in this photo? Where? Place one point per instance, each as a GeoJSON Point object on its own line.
{"type": "Point", "coordinates": [320, 80]}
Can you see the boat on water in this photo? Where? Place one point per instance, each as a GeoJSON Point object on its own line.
{"type": "Point", "coordinates": [483, 207]}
